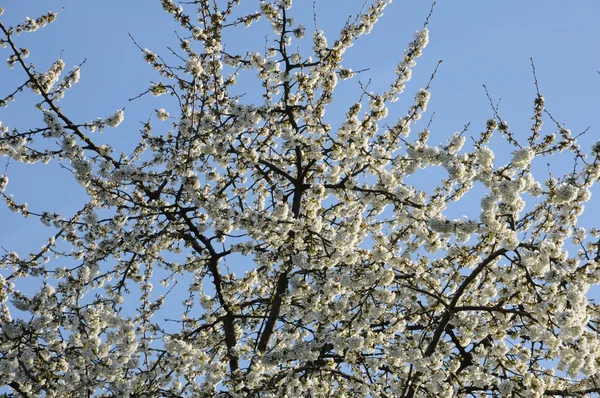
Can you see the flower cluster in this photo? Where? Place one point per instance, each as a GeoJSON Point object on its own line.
{"type": "Point", "coordinates": [193, 66]}
{"type": "Point", "coordinates": [116, 119]}
{"type": "Point", "coordinates": [162, 114]}
{"type": "Point", "coordinates": [45, 81]}
{"type": "Point", "coordinates": [522, 158]}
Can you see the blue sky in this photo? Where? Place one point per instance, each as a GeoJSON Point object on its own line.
{"type": "Point", "coordinates": [480, 41]}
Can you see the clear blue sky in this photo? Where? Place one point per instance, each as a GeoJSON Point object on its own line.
{"type": "Point", "coordinates": [480, 41]}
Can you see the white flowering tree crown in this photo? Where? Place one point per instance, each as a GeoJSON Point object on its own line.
{"type": "Point", "coordinates": [353, 283]}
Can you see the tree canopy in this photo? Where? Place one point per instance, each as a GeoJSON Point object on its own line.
{"type": "Point", "coordinates": [293, 257]}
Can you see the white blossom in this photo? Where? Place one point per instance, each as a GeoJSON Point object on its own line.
{"type": "Point", "coordinates": [522, 158]}
{"type": "Point", "coordinates": [116, 119]}
{"type": "Point", "coordinates": [194, 66]}
{"type": "Point", "coordinates": [565, 193]}
{"type": "Point", "coordinates": [162, 114]}
{"type": "Point", "coordinates": [421, 99]}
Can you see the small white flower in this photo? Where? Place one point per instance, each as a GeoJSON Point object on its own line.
{"type": "Point", "coordinates": [422, 99]}
{"type": "Point", "coordinates": [422, 38]}
{"type": "Point", "coordinates": [485, 157]}
{"type": "Point", "coordinates": [194, 66]}
{"type": "Point", "coordinates": [510, 240]}
{"type": "Point", "coordinates": [162, 114]}
{"type": "Point", "coordinates": [522, 158]}
{"type": "Point", "coordinates": [299, 31]}
{"type": "Point", "coordinates": [377, 103]}
{"type": "Point", "coordinates": [565, 192]}
{"type": "Point", "coordinates": [116, 119]}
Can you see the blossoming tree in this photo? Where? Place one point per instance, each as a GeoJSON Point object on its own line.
{"type": "Point", "coordinates": [359, 285]}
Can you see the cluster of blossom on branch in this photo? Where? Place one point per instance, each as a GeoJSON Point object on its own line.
{"type": "Point", "coordinates": [354, 283]}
